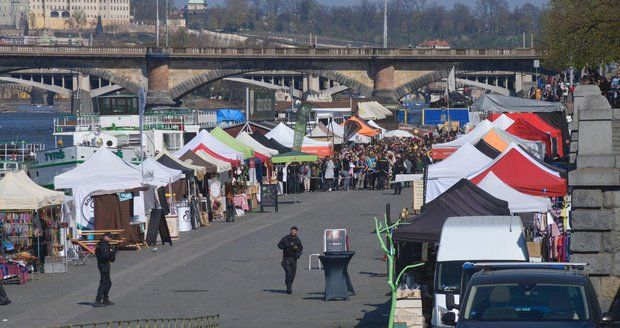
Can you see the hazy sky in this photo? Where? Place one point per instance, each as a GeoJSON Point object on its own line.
{"type": "Point", "coordinates": [446, 3]}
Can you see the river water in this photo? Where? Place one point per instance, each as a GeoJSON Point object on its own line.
{"type": "Point", "coordinates": [28, 127]}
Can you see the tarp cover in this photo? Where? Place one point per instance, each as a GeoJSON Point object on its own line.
{"type": "Point", "coordinates": [538, 122]}
{"type": "Point", "coordinates": [443, 175]}
{"type": "Point", "coordinates": [499, 103]}
{"type": "Point", "coordinates": [518, 202]}
{"type": "Point", "coordinates": [462, 199]}
{"type": "Point", "coordinates": [18, 192]}
{"type": "Point", "coordinates": [230, 115]}
{"type": "Point", "coordinates": [524, 173]}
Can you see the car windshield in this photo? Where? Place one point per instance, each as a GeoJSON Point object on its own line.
{"type": "Point", "coordinates": [449, 277]}
{"type": "Point", "coordinates": [526, 302]}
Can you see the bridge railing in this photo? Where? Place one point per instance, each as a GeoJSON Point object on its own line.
{"type": "Point", "coordinates": [251, 52]}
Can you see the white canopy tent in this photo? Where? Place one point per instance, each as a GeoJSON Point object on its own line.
{"type": "Point", "coordinates": [376, 126]}
{"type": "Point", "coordinates": [158, 174]}
{"type": "Point", "coordinates": [18, 192]}
{"type": "Point", "coordinates": [398, 134]}
{"type": "Point", "coordinates": [102, 173]}
{"type": "Point", "coordinates": [247, 140]}
{"type": "Point", "coordinates": [285, 135]}
{"type": "Point", "coordinates": [518, 202]}
{"type": "Point", "coordinates": [472, 137]}
{"type": "Point", "coordinates": [222, 166]}
{"type": "Point", "coordinates": [337, 131]}
{"type": "Point", "coordinates": [503, 122]}
{"type": "Point", "coordinates": [443, 175]}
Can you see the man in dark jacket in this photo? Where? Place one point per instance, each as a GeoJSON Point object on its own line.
{"type": "Point", "coordinates": [291, 251]}
{"type": "Point", "coordinates": [399, 168]}
{"type": "Point", "coordinates": [106, 254]}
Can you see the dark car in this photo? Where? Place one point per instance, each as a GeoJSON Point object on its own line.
{"type": "Point", "coordinates": [530, 297]}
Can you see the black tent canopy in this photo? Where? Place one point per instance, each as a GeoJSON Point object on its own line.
{"type": "Point", "coordinates": [270, 143]}
{"type": "Point", "coordinates": [462, 199]}
{"type": "Point", "coordinates": [487, 149]}
{"type": "Point", "coordinates": [171, 163]}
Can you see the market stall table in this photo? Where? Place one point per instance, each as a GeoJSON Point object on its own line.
{"type": "Point", "coordinates": [336, 282]}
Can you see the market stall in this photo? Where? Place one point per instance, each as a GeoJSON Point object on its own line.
{"type": "Point", "coordinates": [285, 135]}
{"type": "Point", "coordinates": [444, 174]}
{"type": "Point", "coordinates": [270, 143]}
{"type": "Point", "coordinates": [518, 202]}
{"type": "Point", "coordinates": [32, 230]}
{"type": "Point", "coordinates": [104, 173]}
{"type": "Point", "coordinates": [208, 143]}
{"type": "Point", "coordinates": [521, 171]}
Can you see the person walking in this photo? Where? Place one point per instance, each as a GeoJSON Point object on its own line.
{"type": "Point", "coordinates": [291, 251]}
{"type": "Point", "coordinates": [106, 254]}
{"type": "Point", "coordinates": [329, 173]}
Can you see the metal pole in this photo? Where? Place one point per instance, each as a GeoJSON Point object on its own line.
{"type": "Point", "coordinates": [385, 24]}
{"type": "Point", "coordinates": [157, 21]}
{"type": "Point", "coordinates": [167, 24]}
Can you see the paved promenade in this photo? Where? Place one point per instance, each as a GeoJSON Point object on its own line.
{"type": "Point", "coordinates": [231, 269]}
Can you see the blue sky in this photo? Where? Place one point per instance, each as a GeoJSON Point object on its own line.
{"type": "Point", "coordinates": [446, 3]}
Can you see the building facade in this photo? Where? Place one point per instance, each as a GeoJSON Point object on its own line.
{"type": "Point", "coordinates": [13, 13]}
{"type": "Point", "coordinates": [65, 14]}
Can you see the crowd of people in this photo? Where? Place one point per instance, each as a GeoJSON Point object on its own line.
{"type": "Point", "coordinates": [364, 166]}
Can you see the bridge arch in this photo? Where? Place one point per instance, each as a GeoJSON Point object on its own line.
{"type": "Point", "coordinates": [186, 87]}
{"type": "Point", "coordinates": [442, 73]}
{"type": "Point", "coordinates": [8, 66]}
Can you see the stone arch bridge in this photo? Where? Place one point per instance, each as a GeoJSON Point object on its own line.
{"type": "Point", "coordinates": [169, 74]}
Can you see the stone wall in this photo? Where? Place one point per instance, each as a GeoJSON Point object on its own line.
{"type": "Point", "coordinates": [595, 183]}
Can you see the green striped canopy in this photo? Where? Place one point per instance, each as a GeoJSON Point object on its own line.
{"type": "Point", "coordinates": [293, 156]}
{"type": "Point", "coordinates": [231, 142]}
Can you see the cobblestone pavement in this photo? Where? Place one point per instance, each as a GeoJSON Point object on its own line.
{"type": "Point", "coordinates": [230, 269]}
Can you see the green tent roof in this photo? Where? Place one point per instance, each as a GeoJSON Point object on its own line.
{"type": "Point", "coordinates": [231, 142]}
{"type": "Point", "coordinates": [293, 156]}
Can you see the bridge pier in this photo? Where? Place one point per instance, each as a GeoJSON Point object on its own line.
{"type": "Point", "coordinates": [384, 82]}
{"type": "Point", "coordinates": [158, 74]}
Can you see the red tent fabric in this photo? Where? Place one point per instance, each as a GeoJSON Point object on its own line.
{"type": "Point", "coordinates": [263, 158]}
{"type": "Point", "coordinates": [525, 130]}
{"type": "Point", "coordinates": [540, 124]}
{"type": "Point", "coordinates": [234, 163]}
{"type": "Point", "coordinates": [524, 173]}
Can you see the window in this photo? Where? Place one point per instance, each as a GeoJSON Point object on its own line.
{"type": "Point", "coordinates": [527, 302]}
{"type": "Point", "coordinates": [449, 277]}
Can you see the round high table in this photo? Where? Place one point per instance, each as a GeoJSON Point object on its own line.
{"type": "Point", "coordinates": [337, 282]}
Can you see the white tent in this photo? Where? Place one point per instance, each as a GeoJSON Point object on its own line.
{"type": "Point", "coordinates": [247, 140]}
{"type": "Point", "coordinates": [472, 137]}
{"type": "Point", "coordinates": [285, 135]}
{"type": "Point", "coordinates": [376, 126]}
{"type": "Point", "coordinates": [205, 139]}
{"type": "Point", "coordinates": [158, 174]}
{"type": "Point", "coordinates": [503, 122]}
{"type": "Point", "coordinates": [102, 173]}
{"type": "Point", "coordinates": [18, 192]}
{"type": "Point", "coordinates": [398, 134]}
{"type": "Point", "coordinates": [443, 175]}
{"type": "Point", "coordinates": [518, 202]}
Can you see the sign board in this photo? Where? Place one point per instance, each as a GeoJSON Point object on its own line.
{"type": "Point", "coordinates": [268, 196]}
{"type": "Point", "coordinates": [335, 240]}
{"type": "Point", "coordinates": [263, 105]}
{"type": "Point", "coordinates": [300, 126]}
{"type": "Point", "coordinates": [418, 194]}
{"type": "Point", "coordinates": [536, 63]}
{"type": "Point", "coordinates": [157, 224]}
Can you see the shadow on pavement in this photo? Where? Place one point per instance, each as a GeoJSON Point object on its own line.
{"type": "Point", "coordinates": [377, 317]}
{"type": "Point", "coordinates": [274, 291]}
{"type": "Point", "coordinates": [86, 303]}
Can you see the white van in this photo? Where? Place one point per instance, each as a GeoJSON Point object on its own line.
{"type": "Point", "coordinates": [472, 239]}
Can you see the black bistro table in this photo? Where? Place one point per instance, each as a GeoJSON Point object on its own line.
{"type": "Point", "coordinates": [337, 281]}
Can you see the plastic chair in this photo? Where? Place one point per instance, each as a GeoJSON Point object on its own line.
{"type": "Point", "coordinates": [310, 260]}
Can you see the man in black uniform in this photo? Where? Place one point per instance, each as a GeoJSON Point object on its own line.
{"type": "Point", "coordinates": [106, 254]}
{"type": "Point", "coordinates": [291, 251]}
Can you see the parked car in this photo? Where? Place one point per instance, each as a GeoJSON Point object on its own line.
{"type": "Point", "coordinates": [530, 295]}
